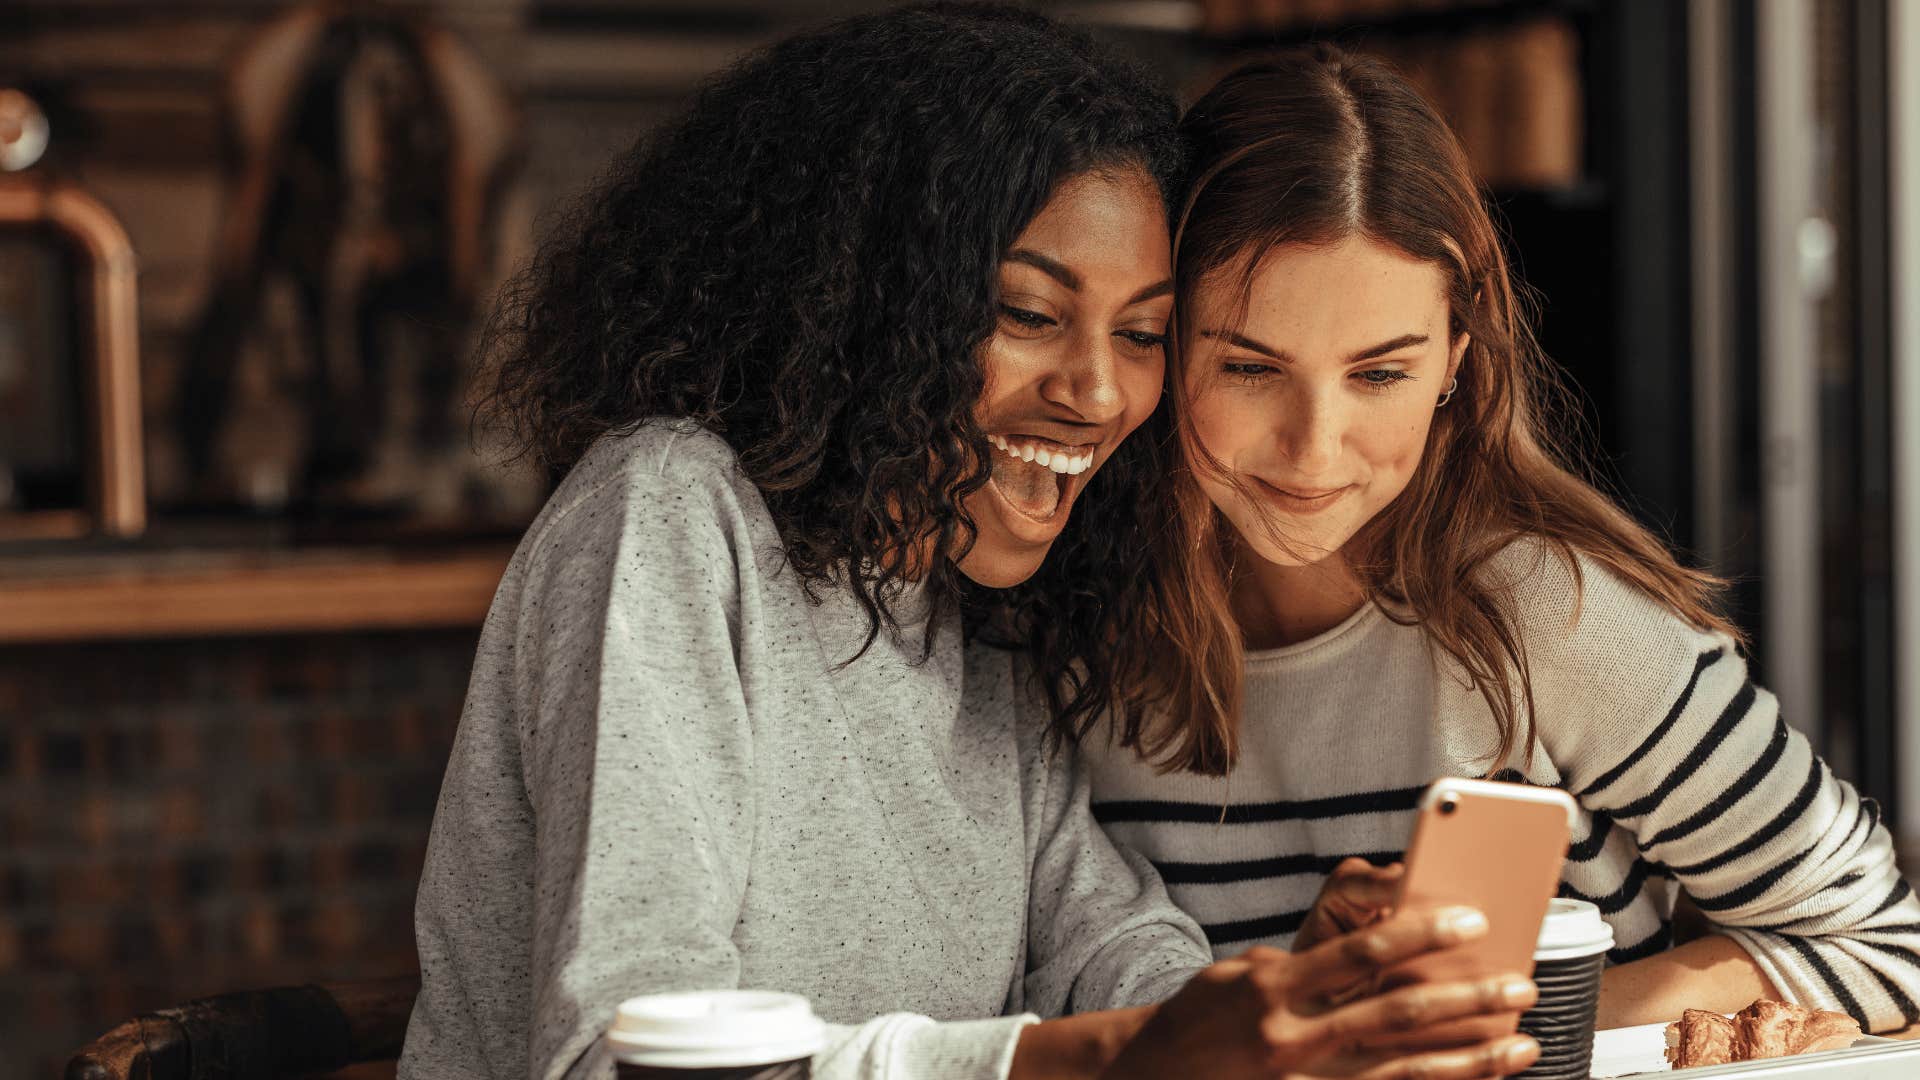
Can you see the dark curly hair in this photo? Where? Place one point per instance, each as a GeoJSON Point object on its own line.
{"type": "Point", "coordinates": [805, 263]}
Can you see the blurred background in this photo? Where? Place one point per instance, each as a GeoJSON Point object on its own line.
{"type": "Point", "coordinates": [248, 529]}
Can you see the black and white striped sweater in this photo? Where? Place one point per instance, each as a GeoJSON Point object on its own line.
{"type": "Point", "coordinates": [1686, 774]}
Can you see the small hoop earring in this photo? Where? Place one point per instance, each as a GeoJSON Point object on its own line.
{"type": "Point", "coordinates": [1452, 385]}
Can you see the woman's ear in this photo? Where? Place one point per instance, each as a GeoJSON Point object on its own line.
{"type": "Point", "coordinates": [1456, 354]}
{"type": "Point", "coordinates": [1458, 350]}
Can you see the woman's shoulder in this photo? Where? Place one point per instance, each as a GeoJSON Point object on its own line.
{"type": "Point", "coordinates": [1589, 634]}
{"type": "Point", "coordinates": [1532, 570]}
{"type": "Point", "coordinates": [1553, 590]}
{"type": "Point", "coordinates": [669, 488]}
{"type": "Point", "coordinates": [677, 450]}
{"type": "Point", "coordinates": [662, 459]}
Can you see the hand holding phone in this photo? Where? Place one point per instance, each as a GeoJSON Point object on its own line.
{"type": "Point", "coordinates": [1495, 847]}
{"type": "Point", "coordinates": [1268, 1012]}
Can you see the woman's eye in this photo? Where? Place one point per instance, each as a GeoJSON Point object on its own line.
{"type": "Point", "coordinates": [1245, 370]}
{"type": "Point", "coordinates": [1382, 376]}
{"type": "Point", "coordinates": [1144, 340]}
{"type": "Point", "coordinates": [1031, 319]}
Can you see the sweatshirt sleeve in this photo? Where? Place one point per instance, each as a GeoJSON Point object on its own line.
{"type": "Point", "coordinates": [1101, 931]}
{"type": "Point", "coordinates": [638, 751]}
{"type": "Point", "coordinates": [1659, 730]}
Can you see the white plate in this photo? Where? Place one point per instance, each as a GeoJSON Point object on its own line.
{"type": "Point", "coordinates": [1630, 1051]}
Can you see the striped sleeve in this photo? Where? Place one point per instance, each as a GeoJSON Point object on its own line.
{"type": "Point", "coordinates": [1660, 728]}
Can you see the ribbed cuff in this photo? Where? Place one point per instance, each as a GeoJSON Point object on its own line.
{"type": "Point", "coordinates": [916, 1048]}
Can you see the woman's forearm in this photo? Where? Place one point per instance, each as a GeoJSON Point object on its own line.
{"type": "Point", "coordinates": [1713, 973]}
{"type": "Point", "coordinates": [1075, 1047]}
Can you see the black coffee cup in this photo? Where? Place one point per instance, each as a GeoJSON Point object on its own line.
{"type": "Point", "coordinates": [1567, 961]}
{"type": "Point", "coordinates": [715, 1035]}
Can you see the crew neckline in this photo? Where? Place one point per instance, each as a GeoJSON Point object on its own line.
{"type": "Point", "coordinates": [1365, 616]}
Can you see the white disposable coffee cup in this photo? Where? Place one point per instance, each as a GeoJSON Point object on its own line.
{"type": "Point", "coordinates": [714, 1029]}
{"type": "Point", "coordinates": [1572, 929]}
{"type": "Point", "coordinates": [1568, 957]}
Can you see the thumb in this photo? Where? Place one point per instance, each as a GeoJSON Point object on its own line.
{"type": "Point", "coordinates": [1377, 887]}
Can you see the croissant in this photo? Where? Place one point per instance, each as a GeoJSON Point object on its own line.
{"type": "Point", "coordinates": [1764, 1029]}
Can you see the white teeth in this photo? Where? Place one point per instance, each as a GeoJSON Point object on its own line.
{"type": "Point", "coordinates": [1059, 461]}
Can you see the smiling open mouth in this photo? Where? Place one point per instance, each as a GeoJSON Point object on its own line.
{"type": "Point", "coordinates": [1032, 474]}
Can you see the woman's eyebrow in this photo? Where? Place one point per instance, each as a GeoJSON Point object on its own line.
{"type": "Point", "coordinates": [1157, 289]}
{"type": "Point", "coordinates": [1402, 342]}
{"type": "Point", "coordinates": [1369, 353]}
{"type": "Point", "coordinates": [1051, 267]}
{"type": "Point", "coordinates": [1061, 273]}
{"type": "Point", "coordinates": [1245, 342]}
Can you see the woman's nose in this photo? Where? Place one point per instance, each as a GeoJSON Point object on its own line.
{"type": "Point", "coordinates": [1309, 433]}
{"type": "Point", "coordinates": [1088, 382]}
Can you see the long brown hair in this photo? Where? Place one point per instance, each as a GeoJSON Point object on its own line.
{"type": "Point", "coordinates": [1314, 146]}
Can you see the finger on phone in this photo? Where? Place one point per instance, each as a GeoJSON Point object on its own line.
{"type": "Point", "coordinates": [1339, 961]}
{"type": "Point", "coordinates": [1501, 1057]}
{"type": "Point", "coordinates": [1447, 1034]}
{"type": "Point", "coordinates": [1424, 1005]}
{"type": "Point", "coordinates": [1363, 883]}
{"type": "Point", "coordinates": [1355, 866]}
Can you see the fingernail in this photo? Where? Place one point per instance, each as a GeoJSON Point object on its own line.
{"type": "Point", "coordinates": [1462, 922]}
{"type": "Point", "coordinates": [1517, 993]}
{"type": "Point", "coordinates": [1522, 1052]}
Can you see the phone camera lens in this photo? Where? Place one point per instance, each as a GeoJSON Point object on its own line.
{"type": "Point", "coordinates": [1449, 804]}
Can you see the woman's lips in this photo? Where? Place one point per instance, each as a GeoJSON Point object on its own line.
{"type": "Point", "coordinates": [1302, 502]}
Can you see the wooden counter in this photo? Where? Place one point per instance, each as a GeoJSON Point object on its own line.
{"type": "Point", "coordinates": [211, 594]}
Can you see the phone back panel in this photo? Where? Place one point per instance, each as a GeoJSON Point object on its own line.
{"type": "Point", "coordinates": [1499, 850]}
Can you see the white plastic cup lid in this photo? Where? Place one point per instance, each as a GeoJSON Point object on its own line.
{"type": "Point", "coordinates": [1572, 929]}
{"type": "Point", "coordinates": [712, 1029]}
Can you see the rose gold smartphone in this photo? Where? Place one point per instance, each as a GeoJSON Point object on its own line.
{"type": "Point", "coordinates": [1492, 846]}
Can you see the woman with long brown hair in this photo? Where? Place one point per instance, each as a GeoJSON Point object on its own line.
{"type": "Point", "coordinates": [1385, 568]}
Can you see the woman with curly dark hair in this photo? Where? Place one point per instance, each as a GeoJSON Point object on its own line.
{"type": "Point", "coordinates": [828, 363]}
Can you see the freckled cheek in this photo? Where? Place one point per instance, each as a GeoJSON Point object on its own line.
{"type": "Point", "coordinates": [1141, 391]}
{"type": "Point", "coordinates": [1218, 425]}
{"type": "Point", "coordinates": [1223, 495]}
{"type": "Point", "coordinates": [1394, 450]}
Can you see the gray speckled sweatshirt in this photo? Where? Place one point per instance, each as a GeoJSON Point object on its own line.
{"type": "Point", "coordinates": [662, 782]}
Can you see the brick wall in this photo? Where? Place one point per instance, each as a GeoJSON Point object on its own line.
{"type": "Point", "coordinates": [185, 818]}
